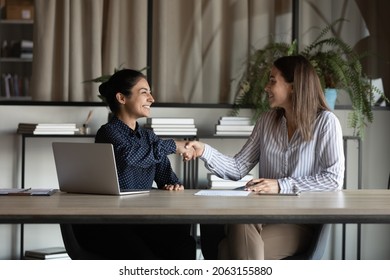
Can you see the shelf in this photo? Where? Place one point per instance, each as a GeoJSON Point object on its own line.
{"type": "Point", "coordinates": [15, 59]}
{"type": "Point", "coordinates": [16, 21]}
{"type": "Point", "coordinates": [216, 136]}
{"type": "Point", "coordinates": [16, 98]}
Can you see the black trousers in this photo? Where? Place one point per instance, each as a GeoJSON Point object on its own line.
{"type": "Point", "coordinates": [137, 242]}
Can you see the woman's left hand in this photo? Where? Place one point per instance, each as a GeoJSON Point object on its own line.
{"type": "Point", "coordinates": [176, 187]}
{"type": "Point", "coordinates": [263, 185]}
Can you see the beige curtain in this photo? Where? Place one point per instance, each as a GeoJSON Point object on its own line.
{"type": "Point", "coordinates": [199, 46]}
{"type": "Point", "coordinates": [76, 40]}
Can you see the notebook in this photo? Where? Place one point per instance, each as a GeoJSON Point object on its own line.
{"type": "Point", "coordinates": [88, 168]}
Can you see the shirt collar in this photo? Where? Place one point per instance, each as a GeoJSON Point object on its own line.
{"type": "Point", "coordinates": [124, 127]}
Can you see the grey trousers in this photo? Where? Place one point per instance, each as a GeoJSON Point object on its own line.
{"type": "Point", "coordinates": [264, 242]}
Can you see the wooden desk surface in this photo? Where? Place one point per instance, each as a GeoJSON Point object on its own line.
{"type": "Point", "coordinates": [358, 206]}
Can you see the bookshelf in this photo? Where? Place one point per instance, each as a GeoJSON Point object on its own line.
{"type": "Point", "coordinates": [16, 39]}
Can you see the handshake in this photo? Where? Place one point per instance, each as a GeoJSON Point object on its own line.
{"type": "Point", "coordinates": [189, 150]}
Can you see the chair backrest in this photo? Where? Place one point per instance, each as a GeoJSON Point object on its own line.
{"type": "Point", "coordinates": [213, 234]}
{"type": "Point", "coordinates": [72, 246]}
{"type": "Point", "coordinates": [210, 236]}
{"type": "Point", "coordinates": [317, 246]}
{"type": "Point", "coordinates": [388, 183]}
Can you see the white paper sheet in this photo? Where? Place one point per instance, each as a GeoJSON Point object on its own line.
{"type": "Point", "coordinates": [222, 193]}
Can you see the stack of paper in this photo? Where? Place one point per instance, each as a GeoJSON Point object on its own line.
{"type": "Point", "coordinates": [29, 191]}
{"type": "Point", "coordinates": [172, 126]}
{"type": "Point", "coordinates": [52, 253]}
{"type": "Point", "coordinates": [47, 128]}
{"type": "Point", "coordinates": [234, 126]}
{"type": "Point", "coordinates": [214, 182]}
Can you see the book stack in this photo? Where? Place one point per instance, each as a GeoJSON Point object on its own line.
{"type": "Point", "coordinates": [234, 126]}
{"type": "Point", "coordinates": [18, 49]}
{"type": "Point", "coordinates": [52, 253]}
{"type": "Point", "coordinates": [26, 49]}
{"type": "Point", "coordinates": [47, 128]}
{"type": "Point", "coordinates": [172, 126]}
{"type": "Point", "coordinates": [214, 182]}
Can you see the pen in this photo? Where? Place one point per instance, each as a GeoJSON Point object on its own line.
{"type": "Point", "coordinates": [25, 190]}
{"type": "Point", "coordinates": [88, 117]}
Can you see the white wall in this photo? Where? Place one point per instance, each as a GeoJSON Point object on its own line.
{"type": "Point", "coordinates": [40, 170]}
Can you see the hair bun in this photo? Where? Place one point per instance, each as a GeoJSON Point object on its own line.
{"type": "Point", "coordinates": [105, 89]}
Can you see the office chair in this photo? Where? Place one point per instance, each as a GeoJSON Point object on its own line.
{"type": "Point", "coordinates": [77, 252]}
{"type": "Point", "coordinates": [72, 245]}
{"type": "Point", "coordinates": [211, 235]}
{"type": "Point", "coordinates": [388, 183]}
{"type": "Point", "coordinates": [318, 244]}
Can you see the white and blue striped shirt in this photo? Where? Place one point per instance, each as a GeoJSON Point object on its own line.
{"type": "Point", "coordinates": [315, 165]}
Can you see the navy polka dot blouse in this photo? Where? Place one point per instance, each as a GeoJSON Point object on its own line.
{"type": "Point", "coordinates": [141, 156]}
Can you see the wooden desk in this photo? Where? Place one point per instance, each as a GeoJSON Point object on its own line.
{"type": "Point", "coordinates": [348, 206]}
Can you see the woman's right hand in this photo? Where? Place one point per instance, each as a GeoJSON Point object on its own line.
{"type": "Point", "coordinates": [197, 147]}
{"type": "Point", "coordinates": [186, 153]}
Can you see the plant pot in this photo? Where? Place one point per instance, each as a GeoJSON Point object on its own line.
{"type": "Point", "coordinates": [377, 98]}
{"type": "Point", "coordinates": [331, 96]}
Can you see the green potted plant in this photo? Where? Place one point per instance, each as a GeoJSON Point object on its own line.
{"type": "Point", "coordinates": [338, 67]}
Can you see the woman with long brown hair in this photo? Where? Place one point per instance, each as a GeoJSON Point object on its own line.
{"type": "Point", "coordinates": [298, 146]}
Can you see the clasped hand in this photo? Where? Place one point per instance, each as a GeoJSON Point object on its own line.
{"type": "Point", "coordinates": [189, 150]}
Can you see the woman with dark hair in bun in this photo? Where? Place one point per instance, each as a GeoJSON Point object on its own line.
{"type": "Point", "coordinates": [141, 159]}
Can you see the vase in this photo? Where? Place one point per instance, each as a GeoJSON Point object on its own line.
{"type": "Point", "coordinates": [331, 96]}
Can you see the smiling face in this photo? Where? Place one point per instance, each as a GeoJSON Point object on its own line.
{"type": "Point", "coordinates": [279, 91]}
{"type": "Point", "coordinates": [137, 105]}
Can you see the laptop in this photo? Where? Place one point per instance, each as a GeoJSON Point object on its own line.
{"type": "Point", "coordinates": [88, 168]}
